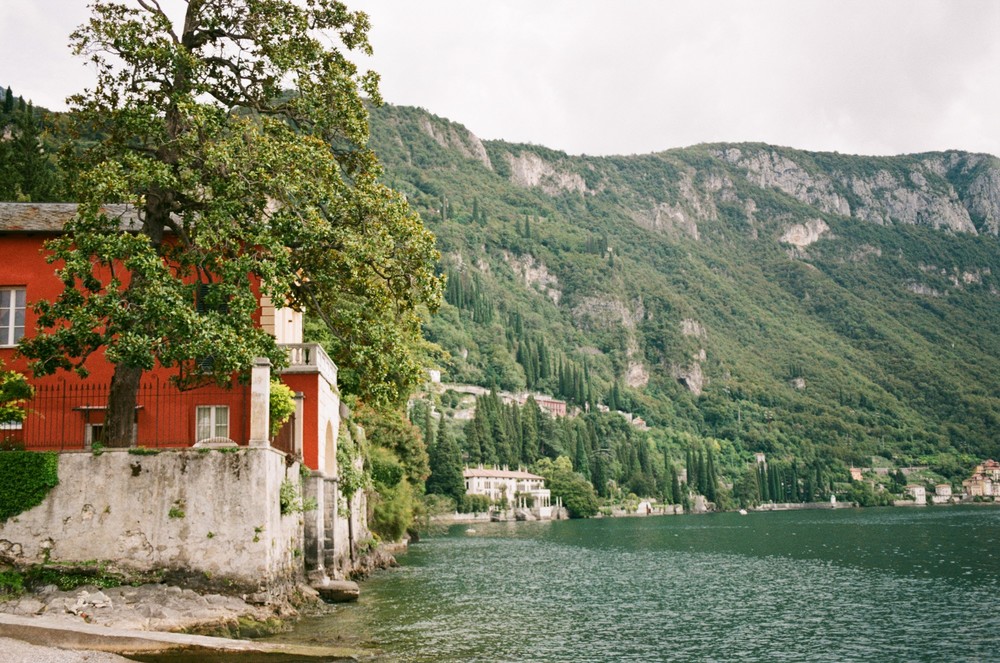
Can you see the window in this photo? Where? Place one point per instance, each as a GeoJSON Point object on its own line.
{"type": "Point", "coordinates": [11, 315]}
{"type": "Point", "coordinates": [212, 421]}
{"type": "Point", "coordinates": [93, 433]}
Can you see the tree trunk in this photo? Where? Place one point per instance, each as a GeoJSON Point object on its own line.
{"type": "Point", "coordinates": [120, 421]}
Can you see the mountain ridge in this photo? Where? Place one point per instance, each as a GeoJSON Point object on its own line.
{"type": "Point", "coordinates": [764, 295]}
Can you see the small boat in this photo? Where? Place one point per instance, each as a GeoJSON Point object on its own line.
{"type": "Point", "coordinates": [743, 512]}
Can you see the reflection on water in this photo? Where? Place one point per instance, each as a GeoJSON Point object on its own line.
{"type": "Point", "coordinates": [844, 585]}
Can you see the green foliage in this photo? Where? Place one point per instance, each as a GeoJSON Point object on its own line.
{"type": "Point", "coordinates": [67, 577]}
{"type": "Point", "coordinates": [15, 392]}
{"type": "Point", "coordinates": [438, 505]}
{"type": "Point", "coordinates": [473, 504]}
{"type": "Point", "coordinates": [177, 509]}
{"type": "Point", "coordinates": [391, 430]}
{"type": "Point", "coordinates": [28, 169]}
{"type": "Point", "coordinates": [862, 494]}
{"type": "Point", "coordinates": [290, 498]}
{"type": "Point", "coordinates": [26, 477]}
{"type": "Point", "coordinates": [281, 404]}
{"type": "Point", "coordinates": [11, 583]}
{"type": "Point", "coordinates": [446, 476]}
{"type": "Point", "coordinates": [350, 464]}
{"type": "Point", "coordinates": [250, 168]}
{"type": "Point", "coordinates": [577, 494]}
{"type": "Point", "coordinates": [144, 451]}
{"type": "Point", "coordinates": [385, 469]}
{"type": "Point", "coordinates": [393, 510]}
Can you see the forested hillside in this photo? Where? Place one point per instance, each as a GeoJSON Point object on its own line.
{"type": "Point", "coordinates": [29, 137]}
{"type": "Point", "coordinates": [821, 308]}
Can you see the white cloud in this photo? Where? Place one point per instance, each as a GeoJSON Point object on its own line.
{"type": "Point", "coordinates": [599, 77]}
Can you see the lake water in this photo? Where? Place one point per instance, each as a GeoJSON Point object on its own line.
{"type": "Point", "coordinates": [826, 585]}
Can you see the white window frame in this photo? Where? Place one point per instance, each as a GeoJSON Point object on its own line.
{"type": "Point", "coordinates": [214, 425]}
{"type": "Point", "coordinates": [8, 332]}
{"type": "Point", "coordinates": [91, 434]}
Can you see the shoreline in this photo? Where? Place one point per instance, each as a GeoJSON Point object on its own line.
{"type": "Point", "coordinates": [155, 618]}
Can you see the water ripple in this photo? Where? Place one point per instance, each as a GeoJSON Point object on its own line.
{"type": "Point", "coordinates": [874, 585]}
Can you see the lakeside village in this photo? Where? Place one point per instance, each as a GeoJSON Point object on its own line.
{"type": "Point", "coordinates": [218, 492]}
{"type": "Point", "coordinates": [516, 494]}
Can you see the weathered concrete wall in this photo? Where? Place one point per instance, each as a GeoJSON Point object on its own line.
{"type": "Point", "coordinates": [209, 512]}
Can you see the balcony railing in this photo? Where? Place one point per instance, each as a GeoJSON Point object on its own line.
{"type": "Point", "coordinates": [310, 358]}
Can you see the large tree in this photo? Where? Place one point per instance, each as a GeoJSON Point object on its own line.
{"type": "Point", "coordinates": [239, 135]}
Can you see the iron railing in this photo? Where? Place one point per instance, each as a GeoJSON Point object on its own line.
{"type": "Point", "coordinates": [65, 416]}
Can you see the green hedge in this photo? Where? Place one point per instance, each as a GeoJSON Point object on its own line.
{"type": "Point", "coordinates": [26, 477]}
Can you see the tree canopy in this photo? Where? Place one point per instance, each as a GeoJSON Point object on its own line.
{"type": "Point", "coordinates": [239, 134]}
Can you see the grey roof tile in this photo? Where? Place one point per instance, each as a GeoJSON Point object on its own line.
{"type": "Point", "coordinates": [51, 217]}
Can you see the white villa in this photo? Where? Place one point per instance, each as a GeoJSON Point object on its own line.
{"type": "Point", "coordinates": [519, 489]}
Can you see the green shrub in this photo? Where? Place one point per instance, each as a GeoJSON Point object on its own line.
{"type": "Point", "coordinates": [290, 500]}
{"type": "Point", "coordinates": [26, 477]}
{"type": "Point", "coordinates": [473, 504]}
{"type": "Point", "coordinates": [288, 497]}
{"type": "Point", "coordinates": [281, 405]}
{"type": "Point", "coordinates": [385, 469]}
{"type": "Point", "coordinates": [11, 583]}
{"type": "Point", "coordinates": [392, 511]}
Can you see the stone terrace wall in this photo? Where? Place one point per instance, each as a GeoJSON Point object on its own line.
{"type": "Point", "coordinates": [208, 512]}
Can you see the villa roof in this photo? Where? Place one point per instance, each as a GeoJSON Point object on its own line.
{"type": "Point", "coordinates": [52, 217]}
{"type": "Point", "coordinates": [498, 474]}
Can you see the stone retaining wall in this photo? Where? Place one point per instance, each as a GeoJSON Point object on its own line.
{"type": "Point", "coordinates": [215, 513]}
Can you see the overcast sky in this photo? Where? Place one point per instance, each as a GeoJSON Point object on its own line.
{"type": "Point", "coordinates": [635, 76]}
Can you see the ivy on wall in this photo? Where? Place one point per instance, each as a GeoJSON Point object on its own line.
{"type": "Point", "coordinates": [26, 477]}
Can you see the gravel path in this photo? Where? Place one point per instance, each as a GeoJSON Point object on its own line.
{"type": "Point", "coordinates": [15, 651]}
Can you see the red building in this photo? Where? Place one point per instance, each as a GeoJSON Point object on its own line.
{"type": "Point", "coordinates": [67, 412]}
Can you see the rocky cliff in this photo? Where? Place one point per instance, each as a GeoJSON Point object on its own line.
{"type": "Point", "coordinates": [774, 296]}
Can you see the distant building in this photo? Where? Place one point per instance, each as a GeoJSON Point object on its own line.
{"type": "Point", "coordinates": [919, 494]}
{"type": "Point", "coordinates": [985, 480]}
{"type": "Point", "coordinates": [979, 485]}
{"type": "Point", "coordinates": [434, 376]}
{"type": "Point", "coordinates": [553, 406]}
{"type": "Point", "coordinates": [989, 469]}
{"type": "Point", "coordinates": [942, 493]}
{"type": "Point", "coordinates": [514, 488]}
{"type": "Point", "coordinates": [640, 423]}
{"type": "Point", "coordinates": [760, 458]}
{"type": "Point", "coordinates": [855, 474]}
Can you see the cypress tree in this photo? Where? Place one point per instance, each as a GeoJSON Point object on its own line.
{"type": "Point", "coordinates": [712, 479]}
{"type": "Point", "coordinates": [446, 476]}
{"type": "Point", "coordinates": [530, 415]}
{"type": "Point", "coordinates": [8, 101]}
{"type": "Point", "coordinates": [692, 476]}
{"type": "Point", "coordinates": [702, 473]}
{"type": "Point", "coordinates": [580, 462]}
{"type": "Point", "coordinates": [599, 476]}
{"type": "Point", "coordinates": [763, 484]}
{"type": "Point", "coordinates": [428, 426]}
{"type": "Point", "coordinates": [675, 487]}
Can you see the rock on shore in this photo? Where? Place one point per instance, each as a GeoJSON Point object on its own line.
{"type": "Point", "coordinates": [149, 608]}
